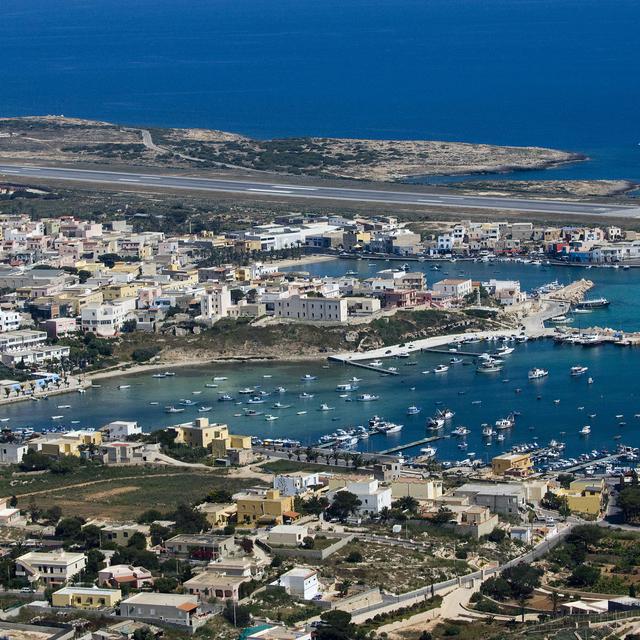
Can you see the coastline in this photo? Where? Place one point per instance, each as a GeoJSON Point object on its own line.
{"type": "Point", "coordinates": [304, 260]}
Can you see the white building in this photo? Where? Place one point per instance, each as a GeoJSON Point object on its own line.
{"type": "Point", "coordinates": [453, 287]}
{"type": "Point", "coordinates": [216, 302]}
{"type": "Point", "coordinates": [50, 567]}
{"type": "Point", "coordinates": [373, 498]}
{"type": "Point", "coordinates": [318, 309]}
{"type": "Point", "coordinates": [20, 340]}
{"type": "Point", "coordinates": [287, 535]}
{"type": "Point", "coordinates": [121, 430]}
{"type": "Point", "coordinates": [106, 320]}
{"type": "Point", "coordinates": [293, 484]}
{"type": "Point", "coordinates": [300, 582]}
{"type": "Point", "coordinates": [37, 355]}
{"type": "Point", "coordinates": [12, 453]}
{"type": "Point", "coordinates": [9, 321]}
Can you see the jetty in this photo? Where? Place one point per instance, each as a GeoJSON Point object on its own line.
{"type": "Point", "coordinates": [408, 445]}
{"type": "Point", "coordinates": [572, 293]}
{"type": "Point", "coordinates": [452, 352]}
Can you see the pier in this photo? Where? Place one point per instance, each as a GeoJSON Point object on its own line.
{"type": "Point", "coordinates": [408, 445]}
{"type": "Point", "coordinates": [457, 352]}
{"type": "Point", "coordinates": [363, 365]}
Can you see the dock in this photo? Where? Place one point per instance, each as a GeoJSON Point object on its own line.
{"type": "Point", "coordinates": [453, 354]}
{"type": "Point", "coordinates": [382, 370]}
{"type": "Point", "coordinates": [408, 445]}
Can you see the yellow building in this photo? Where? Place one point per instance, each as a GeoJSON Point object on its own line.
{"type": "Point", "coordinates": [86, 597]}
{"type": "Point", "coordinates": [215, 437]}
{"type": "Point", "coordinates": [121, 533]}
{"type": "Point", "coordinates": [584, 496]}
{"type": "Point", "coordinates": [119, 291]}
{"type": "Point", "coordinates": [77, 299]}
{"type": "Point", "coordinates": [513, 464]}
{"type": "Point", "coordinates": [69, 444]}
{"type": "Point", "coordinates": [268, 508]}
{"type": "Point", "coordinates": [218, 514]}
{"type": "Point", "coordinates": [130, 268]}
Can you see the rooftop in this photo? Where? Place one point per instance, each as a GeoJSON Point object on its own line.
{"type": "Point", "coordinates": [163, 600]}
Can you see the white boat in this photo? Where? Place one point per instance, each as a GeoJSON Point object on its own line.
{"type": "Point", "coordinates": [280, 390]}
{"type": "Point", "coordinates": [325, 407]}
{"type": "Point", "coordinates": [246, 391]}
{"type": "Point", "coordinates": [211, 385]}
{"type": "Point", "coordinates": [536, 373]}
{"type": "Point", "coordinates": [428, 452]}
{"type": "Point", "coordinates": [267, 375]}
{"type": "Point", "coordinates": [504, 351]}
{"type": "Point", "coordinates": [489, 366]}
{"type": "Point", "coordinates": [64, 406]}
{"type": "Point", "coordinates": [225, 397]}
{"type": "Point", "coordinates": [300, 413]}
{"type": "Point", "coordinates": [124, 386]}
{"type": "Point", "coordinates": [349, 386]}
{"type": "Point", "coordinates": [279, 405]}
{"type": "Point", "coordinates": [307, 377]}
{"type": "Point", "coordinates": [487, 431]}
{"type": "Point", "coordinates": [500, 437]}
{"type": "Point", "coordinates": [455, 361]}
{"type": "Point", "coordinates": [158, 375]}
{"type": "Point", "coordinates": [367, 397]}
{"type": "Point", "coordinates": [354, 379]}
{"type": "Point", "coordinates": [79, 391]}
{"type": "Point", "coordinates": [305, 396]}
{"type": "Point", "coordinates": [578, 370]}
{"type": "Point", "coordinates": [505, 423]}
{"type": "Point", "coordinates": [154, 403]}
{"type": "Point", "coordinates": [562, 320]}
{"type": "Point", "coordinates": [585, 431]}
{"type": "Point", "coordinates": [255, 400]}
{"type": "Point", "coordinates": [196, 393]}
{"type": "Point", "coordinates": [590, 381]}
{"type": "Point", "coordinates": [219, 378]}
{"type": "Point", "coordinates": [460, 432]}
{"type": "Point", "coordinates": [270, 418]}
{"type": "Point", "coordinates": [204, 409]}
{"type": "Point", "coordinates": [376, 363]}
{"type": "Point", "coordinates": [445, 414]}
{"type": "Point", "coordinates": [435, 423]}
{"type": "Point", "coordinates": [413, 410]}
{"type": "Point", "coordinates": [389, 427]}
{"type": "Point", "coordinates": [56, 417]}
{"type": "Point", "coordinates": [441, 368]}
{"type": "Point", "coordinates": [172, 409]}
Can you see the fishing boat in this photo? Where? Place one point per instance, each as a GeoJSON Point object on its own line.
{"type": "Point", "coordinates": [376, 363]}
{"type": "Point", "coordinates": [279, 405]}
{"type": "Point", "coordinates": [305, 396]}
{"type": "Point", "coordinates": [562, 320]}
{"type": "Point", "coordinates": [246, 391]}
{"type": "Point", "coordinates": [300, 413]}
{"type": "Point", "coordinates": [56, 417]}
{"type": "Point", "coordinates": [280, 390]}
{"type": "Point", "coordinates": [441, 368]}
{"type": "Point", "coordinates": [349, 386]}
{"type": "Point", "coordinates": [536, 373]}
{"type": "Point", "coordinates": [196, 393]}
{"type": "Point", "coordinates": [307, 377]}
{"type": "Point", "coordinates": [500, 437]}
{"type": "Point", "coordinates": [187, 403]}
{"type": "Point", "coordinates": [455, 361]}
{"type": "Point", "coordinates": [367, 397]}
{"type": "Point", "coordinates": [460, 432]}
{"type": "Point", "coordinates": [154, 403]}
{"type": "Point", "coordinates": [590, 381]}
{"type": "Point", "coordinates": [172, 409]}
{"type": "Point", "coordinates": [354, 379]}
{"type": "Point", "coordinates": [428, 452]}
{"type": "Point", "coordinates": [64, 406]}
{"type": "Point", "coordinates": [159, 375]}
{"type": "Point", "coordinates": [251, 413]}
{"type": "Point", "coordinates": [504, 351]}
{"type": "Point", "coordinates": [578, 370]}
{"type": "Point", "coordinates": [435, 423]}
{"type": "Point", "coordinates": [204, 409]}
{"type": "Point", "coordinates": [445, 414]}
{"type": "Point", "coordinates": [225, 397]}
{"type": "Point", "coordinates": [270, 418]}
{"type": "Point", "coordinates": [256, 400]}
{"type": "Point", "coordinates": [489, 366]}
{"type": "Point", "coordinates": [413, 410]}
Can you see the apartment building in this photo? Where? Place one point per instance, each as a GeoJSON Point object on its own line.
{"type": "Point", "coordinates": [50, 567]}
{"type": "Point", "coordinates": [314, 309]}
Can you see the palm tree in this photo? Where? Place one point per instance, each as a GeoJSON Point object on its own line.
{"type": "Point", "coordinates": [298, 454]}
{"type": "Point", "coordinates": [357, 460]}
{"type": "Point", "coordinates": [309, 454]}
{"type": "Point", "coordinates": [554, 598]}
{"type": "Point", "coordinates": [327, 457]}
{"type": "Point", "coordinates": [522, 603]}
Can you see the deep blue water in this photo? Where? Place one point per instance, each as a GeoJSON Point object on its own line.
{"type": "Point", "coordinates": [559, 73]}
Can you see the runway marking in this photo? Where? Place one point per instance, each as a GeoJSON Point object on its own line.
{"type": "Point", "coordinates": [270, 191]}
{"type": "Point", "coordinates": [128, 180]}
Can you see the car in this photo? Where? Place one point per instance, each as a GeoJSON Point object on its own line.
{"type": "Point", "coordinates": [26, 590]}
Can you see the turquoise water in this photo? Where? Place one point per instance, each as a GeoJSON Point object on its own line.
{"type": "Point", "coordinates": [559, 73]}
{"type": "Point", "coordinates": [615, 371]}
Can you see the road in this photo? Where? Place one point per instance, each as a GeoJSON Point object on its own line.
{"type": "Point", "coordinates": [256, 188]}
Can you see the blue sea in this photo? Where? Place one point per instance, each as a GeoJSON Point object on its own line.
{"type": "Point", "coordinates": [557, 73]}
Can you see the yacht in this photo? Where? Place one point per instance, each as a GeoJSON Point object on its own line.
{"type": "Point", "coordinates": [489, 366]}
{"type": "Point", "coordinates": [578, 370]}
{"type": "Point", "coordinates": [585, 431]}
{"type": "Point", "coordinates": [504, 350]}
{"type": "Point", "coordinates": [349, 386]}
{"type": "Point", "coordinates": [413, 411]}
{"type": "Point", "coordinates": [225, 397]}
{"type": "Point", "coordinates": [435, 423]}
{"type": "Point", "coordinates": [536, 373]}
{"type": "Point", "coordinates": [376, 363]}
{"type": "Point", "coordinates": [389, 427]}
{"type": "Point", "coordinates": [460, 432]}
{"type": "Point", "coordinates": [219, 378]}
{"type": "Point", "coordinates": [270, 418]}
{"type": "Point", "coordinates": [428, 452]}
{"type": "Point", "coordinates": [455, 361]}
{"type": "Point", "coordinates": [593, 303]}
{"type": "Point", "coordinates": [367, 397]}
{"type": "Point", "coordinates": [562, 320]}
{"type": "Point", "coordinates": [505, 423]}
{"type": "Point", "coordinates": [441, 368]}
{"type": "Point", "coordinates": [445, 414]}
{"type": "Point", "coordinates": [308, 377]}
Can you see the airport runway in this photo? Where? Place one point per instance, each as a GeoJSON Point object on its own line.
{"type": "Point", "coordinates": [255, 188]}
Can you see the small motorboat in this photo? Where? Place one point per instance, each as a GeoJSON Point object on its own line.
{"type": "Point", "coordinates": [204, 409]}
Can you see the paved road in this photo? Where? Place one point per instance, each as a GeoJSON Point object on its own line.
{"type": "Point", "coordinates": [249, 187]}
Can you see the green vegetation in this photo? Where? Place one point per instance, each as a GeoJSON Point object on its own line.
{"type": "Point", "coordinates": [281, 606]}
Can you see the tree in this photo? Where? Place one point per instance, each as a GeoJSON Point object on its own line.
{"type": "Point", "coordinates": [335, 625]}
{"type": "Point", "coordinates": [237, 615]}
{"type": "Point", "coordinates": [443, 516]}
{"type": "Point", "coordinates": [584, 576]}
{"type": "Point", "coordinates": [344, 504]}
{"type": "Point", "coordinates": [165, 585]}
{"type": "Point", "coordinates": [406, 503]}
{"type": "Point", "coordinates": [308, 542]}
{"type": "Point", "coordinates": [158, 533]}
{"type": "Point", "coordinates": [69, 529]}
{"type": "Point", "coordinates": [13, 502]}
{"type": "Point", "coordinates": [190, 520]}
{"type": "Point", "coordinates": [354, 556]}
{"type": "Point", "coordinates": [554, 598]}
{"type": "Point", "coordinates": [95, 560]}
{"type": "Point", "coordinates": [138, 541]}
{"type": "Point", "coordinates": [497, 588]}
{"type": "Point", "coordinates": [144, 633]}
{"type": "Point", "coordinates": [52, 515]}
{"type": "Point", "coordinates": [219, 496]}
{"type": "Point", "coordinates": [148, 516]}
{"type": "Point", "coordinates": [629, 503]}
{"type": "Point", "coordinates": [91, 535]}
